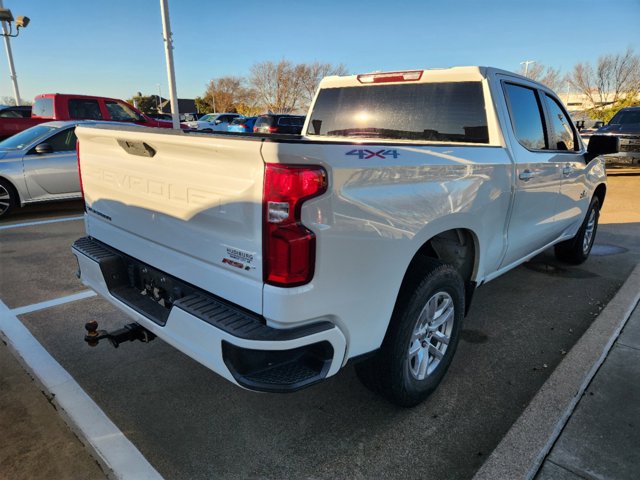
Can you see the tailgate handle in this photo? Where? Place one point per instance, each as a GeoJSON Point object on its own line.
{"type": "Point", "coordinates": [140, 149]}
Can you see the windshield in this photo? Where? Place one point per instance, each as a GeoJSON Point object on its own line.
{"type": "Point", "coordinates": [439, 112]}
{"type": "Point", "coordinates": [625, 117]}
{"type": "Point", "coordinates": [208, 118]}
{"type": "Point", "coordinates": [26, 137]}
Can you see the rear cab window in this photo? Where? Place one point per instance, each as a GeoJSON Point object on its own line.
{"type": "Point", "coordinates": [434, 112]}
{"type": "Point", "coordinates": [43, 107]}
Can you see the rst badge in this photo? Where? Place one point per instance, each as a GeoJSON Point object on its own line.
{"type": "Point", "coordinates": [366, 154]}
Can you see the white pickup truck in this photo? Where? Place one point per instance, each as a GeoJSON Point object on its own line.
{"type": "Point", "coordinates": [274, 260]}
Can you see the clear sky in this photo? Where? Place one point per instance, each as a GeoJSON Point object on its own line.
{"type": "Point", "coordinates": [114, 48]}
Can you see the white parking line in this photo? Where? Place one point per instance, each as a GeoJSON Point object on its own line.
{"type": "Point", "coordinates": [40, 222]}
{"type": "Point", "coordinates": [108, 443]}
{"type": "Point", "coordinates": [53, 303]}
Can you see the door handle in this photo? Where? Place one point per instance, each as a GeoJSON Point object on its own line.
{"type": "Point", "coordinates": [526, 175]}
{"type": "Point", "coordinates": [567, 170]}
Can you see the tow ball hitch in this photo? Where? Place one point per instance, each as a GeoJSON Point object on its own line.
{"type": "Point", "coordinates": [128, 333]}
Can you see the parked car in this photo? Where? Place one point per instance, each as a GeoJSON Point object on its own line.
{"type": "Point", "coordinates": [275, 263]}
{"type": "Point", "coordinates": [625, 125]}
{"type": "Point", "coordinates": [276, 123]}
{"type": "Point", "coordinates": [40, 164]}
{"type": "Point", "coordinates": [191, 117]}
{"type": "Point", "coordinates": [162, 116]}
{"type": "Point", "coordinates": [9, 111]}
{"type": "Point", "coordinates": [213, 122]}
{"type": "Point", "coordinates": [57, 106]}
{"type": "Point", "coordinates": [242, 124]}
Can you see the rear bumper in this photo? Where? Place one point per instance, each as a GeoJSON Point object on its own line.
{"type": "Point", "coordinates": [231, 341]}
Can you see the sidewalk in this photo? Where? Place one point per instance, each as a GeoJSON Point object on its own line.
{"type": "Point", "coordinates": [602, 437]}
{"type": "Point", "coordinates": [584, 423]}
{"type": "Point", "coordinates": [35, 443]}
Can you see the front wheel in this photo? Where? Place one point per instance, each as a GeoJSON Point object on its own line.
{"type": "Point", "coordinates": [421, 339]}
{"type": "Point", "coordinates": [577, 249]}
{"type": "Point", "coordinates": [8, 200]}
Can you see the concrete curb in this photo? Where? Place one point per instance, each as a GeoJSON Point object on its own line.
{"type": "Point", "coordinates": [114, 452]}
{"type": "Point", "coordinates": [525, 446]}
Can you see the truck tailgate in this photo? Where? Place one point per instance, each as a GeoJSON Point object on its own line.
{"type": "Point", "coordinates": [189, 205]}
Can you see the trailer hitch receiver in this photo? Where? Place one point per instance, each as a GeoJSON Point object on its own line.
{"type": "Point", "coordinates": [128, 333]}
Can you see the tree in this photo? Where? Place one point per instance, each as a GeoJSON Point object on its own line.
{"type": "Point", "coordinates": [284, 87]}
{"type": "Point", "coordinates": [548, 76]}
{"type": "Point", "coordinates": [224, 93]}
{"type": "Point", "coordinates": [145, 103]}
{"type": "Point", "coordinates": [614, 81]}
{"type": "Point", "coordinates": [313, 73]}
{"type": "Point", "coordinates": [6, 100]}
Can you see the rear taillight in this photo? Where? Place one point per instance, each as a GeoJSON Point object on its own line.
{"type": "Point", "coordinates": [289, 248]}
{"type": "Point", "coordinates": [79, 170]}
{"type": "Point", "coordinates": [273, 129]}
{"type": "Point", "coordinates": [410, 76]}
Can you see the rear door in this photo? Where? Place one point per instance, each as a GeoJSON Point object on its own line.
{"type": "Point", "coordinates": [189, 205]}
{"type": "Point", "coordinates": [537, 173]}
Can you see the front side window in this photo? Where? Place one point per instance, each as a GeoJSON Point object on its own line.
{"type": "Point", "coordinates": [562, 134]}
{"type": "Point", "coordinates": [526, 116]}
{"type": "Point", "coordinates": [121, 112]}
{"type": "Point", "coordinates": [439, 112]}
{"type": "Point", "coordinates": [84, 109]}
{"type": "Point", "coordinates": [64, 141]}
{"type": "Point", "coordinates": [43, 107]}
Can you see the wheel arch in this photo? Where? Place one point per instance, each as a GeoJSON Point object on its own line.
{"type": "Point", "coordinates": [458, 247]}
{"type": "Point", "coordinates": [7, 180]}
{"type": "Point", "coordinates": [600, 192]}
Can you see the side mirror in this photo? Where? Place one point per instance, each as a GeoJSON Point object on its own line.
{"type": "Point", "coordinates": [44, 148]}
{"type": "Point", "coordinates": [218, 122]}
{"type": "Point", "coordinates": [598, 124]}
{"type": "Point", "coordinates": [603, 145]}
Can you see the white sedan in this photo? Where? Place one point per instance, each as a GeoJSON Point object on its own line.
{"type": "Point", "coordinates": [213, 122]}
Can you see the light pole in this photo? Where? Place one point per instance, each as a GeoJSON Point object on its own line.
{"type": "Point", "coordinates": [168, 49]}
{"type": "Point", "coordinates": [526, 66]}
{"type": "Point", "coordinates": [21, 22]}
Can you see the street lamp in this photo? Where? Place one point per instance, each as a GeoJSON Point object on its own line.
{"type": "Point", "coordinates": [526, 66]}
{"type": "Point", "coordinates": [6, 17]}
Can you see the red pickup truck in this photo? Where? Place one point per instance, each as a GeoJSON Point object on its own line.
{"type": "Point", "coordinates": [57, 106]}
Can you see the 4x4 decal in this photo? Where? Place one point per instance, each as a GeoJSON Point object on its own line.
{"type": "Point", "coordinates": [366, 154]}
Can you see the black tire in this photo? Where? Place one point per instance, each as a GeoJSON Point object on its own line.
{"type": "Point", "coordinates": [8, 198]}
{"type": "Point", "coordinates": [577, 249]}
{"type": "Point", "coordinates": [392, 371]}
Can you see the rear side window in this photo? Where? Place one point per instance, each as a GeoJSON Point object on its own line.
{"type": "Point", "coordinates": [84, 109]}
{"type": "Point", "coordinates": [526, 116]}
{"type": "Point", "coordinates": [43, 107]}
{"type": "Point", "coordinates": [562, 134]}
{"type": "Point", "coordinates": [441, 112]}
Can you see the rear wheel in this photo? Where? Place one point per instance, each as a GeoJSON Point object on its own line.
{"type": "Point", "coordinates": [8, 198]}
{"type": "Point", "coordinates": [577, 249]}
{"type": "Point", "coordinates": [421, 339]}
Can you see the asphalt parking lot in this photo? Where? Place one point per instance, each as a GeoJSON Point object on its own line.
{"type": "Point", "coordinates": [190, 423]}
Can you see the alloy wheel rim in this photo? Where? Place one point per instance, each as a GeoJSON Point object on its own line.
{"type": "Point", "coordinates": [4, 199]}
{"type": "Point", "coordinates": [589, 231]}
{"type": "Point", "coordinates": [431, 335]}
